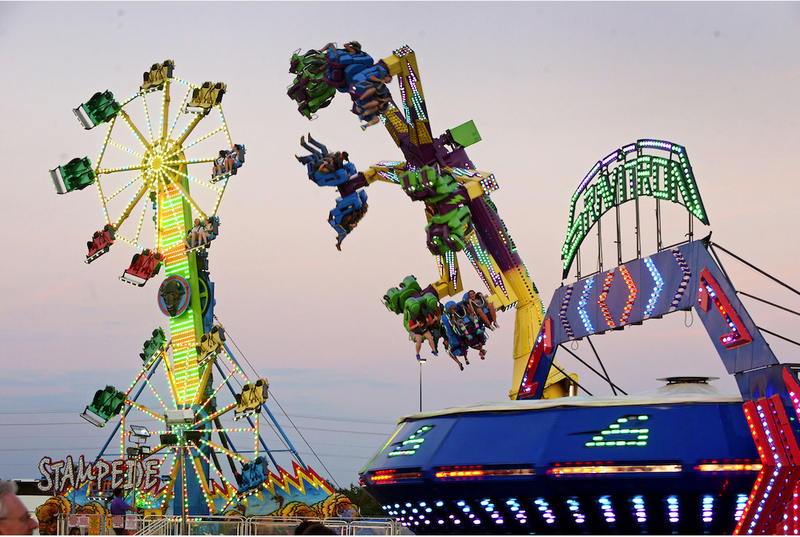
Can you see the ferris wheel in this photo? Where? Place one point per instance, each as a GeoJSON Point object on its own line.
{"type": "Point", "coordinates": [159, 166]}
{"type": "Point", "coordinates": [160, 176]}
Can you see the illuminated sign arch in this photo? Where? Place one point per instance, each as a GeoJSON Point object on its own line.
{"type": "Point", "coordinates": [682, 278]}
{"type": "Point", "coordinates": [650, 168]}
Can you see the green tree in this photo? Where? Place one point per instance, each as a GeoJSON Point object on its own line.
{"type": "Point", "coordinates": [359, 497]}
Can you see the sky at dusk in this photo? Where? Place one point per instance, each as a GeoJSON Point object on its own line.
{"type": "Point", "coordinates": [552, 88]}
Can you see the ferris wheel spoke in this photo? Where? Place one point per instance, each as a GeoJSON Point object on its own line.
{"type": "Point", "coordinates": [170, 379]}
{"type": "Point", "coordinates": [183, 107]}
{"type": "Point", "coordinates": [221, 128]}
{"type": "Point", "coordinates": [203, 485]}
{"type": "Point", "coordinates": [164, 109]}
{"type": "Point", "coordinates": [216, 414]}
{"type": "Point", "coordinates": [147, 117]}
{"type": "Point", "coordinates": [132, 204]}
{"type": "Point", "coordinates": [229, 485]}
{"type": "Point", "coordinates": [225, 125]}
{"type": "Point", "coordinates": [123, 188]}
{"type": "Point", "coordinates": [144, 141]}
{"type": "Point", "coordinates": [141, 221]}
{"type": "Point", "coordinates": [221, 449]}
{"type": "Point", "coordinates": [146, 410]}
{"type": "Point", "coordinates": [106, 171]}
{"type": "Point", "coordinates": [188, 198]}
{"type": "Point", "coordinates": [152, 388]}
{"type": "Point", "coordinates": [178, 145]}
{"type": "Point", "coordinates": [106, 140]}
{"type": "Point", "coordinates": [197, 181]}
{"type": "Point", "coordinates": [216, 391]}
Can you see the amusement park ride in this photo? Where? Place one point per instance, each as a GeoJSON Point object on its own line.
{"type": "Point", "coordinates": [160, 176]}
{"type": "Point", "coordinates": [682, 459]}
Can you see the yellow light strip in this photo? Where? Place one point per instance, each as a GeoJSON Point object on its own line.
{"type": "Point", "coordinates": [97, 169]}
{"type": "Point", "coordinates": [178, 115]}
{"type": "Point", "coordinates": [200, 182]}
{"type": "Point", "coordinates": [395, 477]}
{"type": "Point", "coordinates": [141, 221]}
{"type": "Point", "coordinates": [145, 143]}
{"type": "Point", "coordinates": [207, 136]}
{"type": "Point", "coordinates": [729, 467]}
{"type": "Point", "coordinates": [118, 192]}
{"type": "Point", "coordinates": [484, 473]}
{"type": "Point", "coordinates": [126, 149]}
{"type": "Point", "coordinates": [222, 449]}
{"type": "Point", "coordinates": [122, 169]}
{"type": "Point", "coordinates": [256, 435]}
{"type": "Point", "coordinates": [177, 147]}
{"type": "Point", "coordinates": [214, 415]}
{"type": "Point", "coordinates": [152, 388]}
{"type": "Point", "coordinates": [171, 379]}
{"type": "Point", "coordinates": [615, 469]}
{"type": "Point", "coordinates": [147, 116]}
{"type": "Point", "coordinates": [164, 110]}
{"type": "Point", "coordinates": [235, 367]}
{"type": "Point", "coordinates": [201, 478]}
{"type": "Point", "coordinates": [225, 125]}
{"type": "Point", "coordinates": [217, 389]}
{"type": "Point", "coordinates": [188, 198]}
{"type": "Point", "coordinates": [130, 206]}
{"type": "Point", "coordinates": [145, 410]}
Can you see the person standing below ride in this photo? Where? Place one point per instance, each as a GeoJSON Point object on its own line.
{"type": "Point", "coordinates": [477, 302]}
{"type": "Point", "coordinates": [119, 507]}
{"type": "Point", "coordinates": [420, 330]}
{"type": "Point", "coordinates": [14, 516]}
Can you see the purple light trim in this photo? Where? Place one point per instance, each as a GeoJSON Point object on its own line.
{"type": "Point", "coordinates": [462, 171]}
{"type": "Point", "coordinates": [611, 158]}
{"type": "Point", "coordinates": [687, 274]}
{"type": "Point", "coordinates": [562, 314]}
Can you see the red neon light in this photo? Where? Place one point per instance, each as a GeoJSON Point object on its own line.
{"type": "Point", "coordinates": [632, 292]}
{"type": "Point", "coordinates": [477, 472]}
{"type": "Point", "coordinates": [601, 300]}
{"type": "Point", "coordinates": [387, 477]}
{"type": "Point", "coordinates": [544, 345]}
{"type": "Point", "coordinates": [773, 491]}
{"type": "Point", "coordinates": [738, 335]}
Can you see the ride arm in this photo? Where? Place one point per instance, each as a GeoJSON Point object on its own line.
{"type": "Point", "coordinates": [412, 131]}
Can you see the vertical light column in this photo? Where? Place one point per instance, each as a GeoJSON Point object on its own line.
{"type": "Point", "coordinates": [175, 221]}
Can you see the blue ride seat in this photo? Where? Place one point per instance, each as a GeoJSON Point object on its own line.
{"type": "Point", "coordinates": [335, 178]}
{"type": "Point", "coordinates": [346, 206]}
{"type": "Point", "coordinates": [237, 154]}
{"type": "Point", "coordinates": [364, 75]}
{"type": "Point", "coordinates": [485, 307]}
{"type": "Point", "coordinates": [254, 473]}
{"type": "Point", "coordinates": [455, 345]}
{"type": "Point", "coordinates": [343, 66]}
{"type": "Point", "coordinates": [212, 229]}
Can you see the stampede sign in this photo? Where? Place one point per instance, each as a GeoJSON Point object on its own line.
{"type": "Point", "coordinates": [58, 476]}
